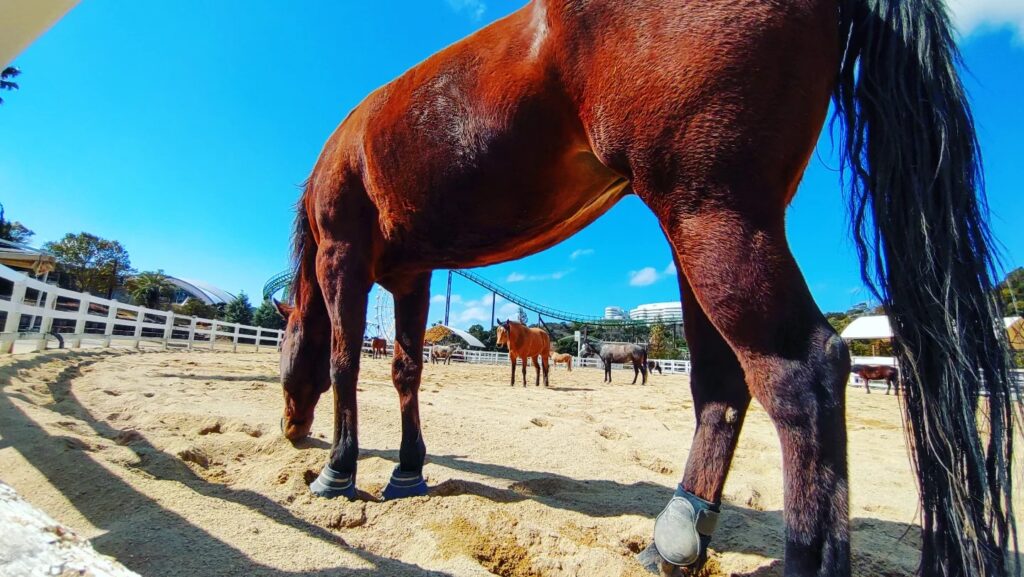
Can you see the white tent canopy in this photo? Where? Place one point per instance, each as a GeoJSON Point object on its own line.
{"type": "Point", "coordinates": [470, 339]}
{"type": "Point", "coordinates": [877, 327]}
{"type": "Point", "coordinates": [871, 327]}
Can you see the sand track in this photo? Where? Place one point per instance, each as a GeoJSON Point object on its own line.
{"type": "Point", "coordinates": [172, 463]}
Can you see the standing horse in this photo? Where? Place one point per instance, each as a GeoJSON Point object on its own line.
{"type": "Point", "coordinates": [443, 354]}
{"type": "Point", "coordinates": [379, 347]}
{"type": "Point", "coordinates": [709, 113]}
{"type": "Point", "coordinates": [618, 353]}
{"type": "Point", "coordinates": [562, 358]}
{"type": "Point", "coordinates": [878, 373]}
{"type": "Point", "coordinates": [525, 343]}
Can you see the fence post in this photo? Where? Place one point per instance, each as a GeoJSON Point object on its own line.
{"type": "Point", "coordinates": [140, 317]}
{"type": "Point", "coordinates": [234, 339]}
{"type": "Point", "coordinates": [259, 336]}
{"type": "Point", "coordinates": [13, 318]}
{"type": "Point", "coordinates": [46, 324]}
{"type": "Point", "coordinates": [191, 332]}
{"type": "Point", "coordinates": [169, 329]}
{"type": "Point", "coordinates": [213, 334]}
{"type": "Point", "coordinates": [83, 315]}
{"type": "Point", "coordinates": [108, 332]}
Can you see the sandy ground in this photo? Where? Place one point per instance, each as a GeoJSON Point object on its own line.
{"type": "Point", "coordinates": [172, 462]}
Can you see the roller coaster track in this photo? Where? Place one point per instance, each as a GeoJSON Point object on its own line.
{"type": "Point", "coordinates": [282, 280]}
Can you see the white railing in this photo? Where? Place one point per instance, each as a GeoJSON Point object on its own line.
{"type": "Point", "coordinates": [35, 310]}
{"type": "Point", "coordinates": [501, 358]}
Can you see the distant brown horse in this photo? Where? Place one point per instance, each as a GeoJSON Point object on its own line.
{"type": "Point", "coordinates": [515, 138]}
{"type": "Point", "coordinates": [525, 343]}
{"type": "Point", "coordinates": [878, 373]}
{"type": "Point", "coordinates": [379, 347]}
{"type": "Point", "coordinates": [562, 358]}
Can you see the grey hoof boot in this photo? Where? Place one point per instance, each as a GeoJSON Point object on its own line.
{"type": "Point", "coordinates": [683, 529]}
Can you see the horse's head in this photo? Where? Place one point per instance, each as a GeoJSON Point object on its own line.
{"type": "Point", "coordinates": [305, 369]}
{"type": "Point", "coordinates": [587, 349]}
{"type": "Point", "coordinates": [502, 333]}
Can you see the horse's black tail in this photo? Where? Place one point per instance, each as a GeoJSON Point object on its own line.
{"type": "Point", "coordinates": [919, 222]}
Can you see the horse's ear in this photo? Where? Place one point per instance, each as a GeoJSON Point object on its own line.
{"type": "Point", "coordinates": [282, 309]}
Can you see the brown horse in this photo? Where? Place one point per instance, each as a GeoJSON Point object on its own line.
{"type": "Point", "coordinates": [562, 358]}
{"type": "Point", "coordinates": [510, 141]}
{"type": "Point", "coordinates": [525, 343]}
{"type": "Point", "coordinates": [379, 347]}
{"type": "Point", "coordinates": [878, 373]}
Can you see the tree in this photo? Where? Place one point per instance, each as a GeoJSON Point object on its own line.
{"type": "Point", "coordinates": [660, 345]}
{"type": "Point", "coordinates": [267, 316]}
{"type": "Point", "coordinates": [151, 289]}
{"type": "Point", "coordinates": [194, 307]}
{"type": "Point", "coordinates": [1011, 293]}
{"type": "Point", "coordinates": [522, 316]}
{"type": "Point", "coordinates": [13, 231]}
{"type": "Point", "coordinates": [92, 264]}
{"type": "Point", "coordinates": [239, 310]}
{"type": "Point", "coordinates": [5, 79]}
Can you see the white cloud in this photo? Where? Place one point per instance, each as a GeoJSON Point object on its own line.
{"type": "Point", "coordinates": [473, 314]}
{"type": "Point", "coordinates": [507, 310]}
{"type": "Point", "coordinates": [643, 277]}
{"type": "Point", "coordinates": [976, 15]}
{"type": "Point", "coordinates": [670, 270]}
{"type": "Point", "coordinates": [519, 277]}
{"type": "Point", "coordinates": [437, 299]}
{"type": "Point", "coordinates": [473, 8]}
{"type": "Point", "coordinates": [581, 252]}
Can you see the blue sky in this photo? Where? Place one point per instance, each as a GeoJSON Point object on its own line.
{"type": "Point", "coordinates": [183, 129]}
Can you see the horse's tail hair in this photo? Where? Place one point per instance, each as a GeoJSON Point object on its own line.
{"type": "Point", "coordinates": [304, 283]}
{"type": "Point", "coordinates": [919, 223]}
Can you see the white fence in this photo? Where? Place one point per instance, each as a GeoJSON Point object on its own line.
{"type": "Point", "coordinates": [501, 358]}
{"type": "Point", "coordinates": [36, 311]}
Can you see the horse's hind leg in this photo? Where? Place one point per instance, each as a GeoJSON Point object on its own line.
{"type": "Point", "coordinates": [545, 364]}
{"type": "Point", "coordinates": [526, 361]}
{"type": "Point", "coordinates": [412, 302]}
{"type": "Point", "coordinates": [794, 362]}
{"type": "Point", "coordinates": [720, 401]}
{"type": "Point", "coordinates": [344, 277]}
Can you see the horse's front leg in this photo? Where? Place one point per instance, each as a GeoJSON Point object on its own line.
{"type": "Point", "coordinates": [513, 359]}
{"type": "Point", "coordinates": [411, 307]}
{"type": "Point", "coordinates": [345, 281]}
{"type": "Point", "coordinates": [526, 361]}
{"type": "Point", "coordinates": [536, 366]}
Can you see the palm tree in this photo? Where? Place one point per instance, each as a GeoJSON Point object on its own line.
{"type": "Point", "coordinates": [5, 84]}
{"type": "Point", "coordinates": [149, 288]}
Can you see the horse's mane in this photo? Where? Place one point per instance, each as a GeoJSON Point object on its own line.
{"type": "Point", "coordinates": [303, 254]}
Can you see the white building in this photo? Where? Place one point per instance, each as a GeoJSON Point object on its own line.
{"type": "Point", "coordinates": [614, 313]}
{"type": "Point", "coordinates": [670, 312]}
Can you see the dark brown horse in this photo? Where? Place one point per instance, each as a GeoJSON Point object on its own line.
{"type": "Point", "coordinates": [525, 343]}
{"type": "Point", "coordinates": [878, 373]}
{"type": "Point", "coordinates": [379, 347]}
{"type": "Point", "coordinates": [510, 141]}
{"type": "Point", "coordinates": [618, 353]}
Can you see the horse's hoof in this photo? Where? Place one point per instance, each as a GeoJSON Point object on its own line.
{"type": "Point", "coordinates": [683, 529]}
{"type": "Point", "coordinates": [331, 484]}
{"type": "Point", "coordinates": [404, 485]}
